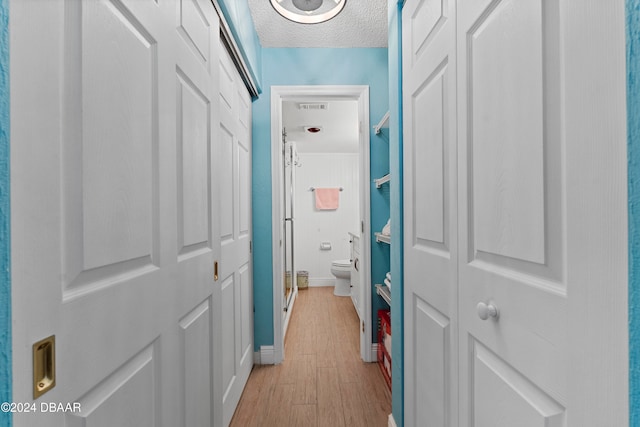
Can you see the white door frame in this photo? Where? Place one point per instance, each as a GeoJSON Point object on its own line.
{"type": "Point", "coordinates": [279, 94]}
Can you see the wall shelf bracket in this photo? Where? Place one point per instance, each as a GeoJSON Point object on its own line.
{"type": "Point", "coordinates": [377, 128]}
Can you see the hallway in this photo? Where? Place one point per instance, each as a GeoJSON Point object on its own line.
{"type": "Point", "coordinates": [322, 381]}
{"type": "Point", "coordinates": [139, 218]}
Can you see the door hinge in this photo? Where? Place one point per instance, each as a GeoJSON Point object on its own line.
{"type": "Point", "coordinates": [363, 327]}
{"type": "Point", "coordinates": [362, 227]}
{"type": "Point", "coordinates": [250, 246]}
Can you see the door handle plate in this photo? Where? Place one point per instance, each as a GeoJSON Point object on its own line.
{"type": "Point", "coordinates": [215, 271]}
{"type": "Point", "coordinates": [44, 366]}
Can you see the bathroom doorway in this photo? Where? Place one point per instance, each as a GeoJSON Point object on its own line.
{"type": "Point", "coordinates": [320, 139]}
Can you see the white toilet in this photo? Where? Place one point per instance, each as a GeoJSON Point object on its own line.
{"type": "Point", "coordinates": [341, 268]}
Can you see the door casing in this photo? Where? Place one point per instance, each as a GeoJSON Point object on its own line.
{"type": "Point", "coordinates": [279, 94]}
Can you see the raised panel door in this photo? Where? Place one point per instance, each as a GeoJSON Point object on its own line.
{"type": "Point", "coordinates": [235, 267]}
{"type": "Point", "coordinates": [430, 242]}
{"type": "Point", "coordinates": [115, 225]}
{"type": "Point", "coordinates": [512, 229]}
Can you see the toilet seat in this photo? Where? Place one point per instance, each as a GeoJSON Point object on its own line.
{"type": "Point", "coordinates": [341, 263]}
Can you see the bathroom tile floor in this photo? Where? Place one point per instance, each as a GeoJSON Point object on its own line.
{"type": "Point", "coordinates": [322, 381]}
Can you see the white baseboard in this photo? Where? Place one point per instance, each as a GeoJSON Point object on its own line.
{"type": "Point", "coordinates": [316, 282]}
{"type": "Point", "coordinates": [265, 356]}
{"type": "Point", "coordinates": [392, 422]}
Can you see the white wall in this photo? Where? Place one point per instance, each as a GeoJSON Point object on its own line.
{"type": "Point", "coordinates": [313, 226]}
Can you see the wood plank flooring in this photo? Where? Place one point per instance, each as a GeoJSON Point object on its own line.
{"type": "Point", "coordinates": [322, 381]}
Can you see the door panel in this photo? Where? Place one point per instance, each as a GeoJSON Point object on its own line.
{"type": "Point", "coordinates": [539, 237]}
{"type": "Point", "coordinates": [503, 397]}
{"type": "Point", "coordinates": [426, 20]}
{"type": "Point", "coordinates": [226, 173]}
{"type": "Point", "coordinates": [195, 333]}
{"type": "Point", "coordinates": [513, 134]}
{"type": "Point", "coordinates": [109, 204]}
{"type": "Point", "coordinates": [116, 186]}
{"type": "Point", "coordinates": [194, 130]}
{"type": "Point", "coordinates": [229, 334]}
{"type": "Point", "coordinates": [430, 252]}
{"type": "Point", "coordinates": [235, 266]}
{"type": "Point", "coordinates": [195, 27]}
{"type": "Point", "coordinates": [244, 184]}
{"type": "Point", "coordinates": [429, 163]}
{"type": "Point", "coordinates": [105, 405]}
{"type": "Point", "coordinates": [197, 211]}
{"type": "Point", "coordinates": [511, 213]}
{"type": "Point", "coordinates": [432, 335]}
{"type": "Point", "coordinates": [506, 126]}
{"type": "Point", "coordinates": [246, 312]}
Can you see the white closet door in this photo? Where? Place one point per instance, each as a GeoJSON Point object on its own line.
{"type": "Point", "coordinates": [234, 134]}
{"type": "Point", "coordinates": [513, 368]}
{"type": "Point", "coordinates": [114, 228]}
{"type": "Point", "coordinates": [430, 186]}
{"type": "Point", "coordinates": [542, 213]}
{"type": "Point", "coordinates": [532, 331]}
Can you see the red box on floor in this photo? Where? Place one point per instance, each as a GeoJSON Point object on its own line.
{"type": "Point", "coordinates": [384, 340]}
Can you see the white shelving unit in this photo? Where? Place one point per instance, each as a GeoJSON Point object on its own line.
{"type": "Point", "coordinates": [385, 293]}
{"type": "Point", "coordinates": [377, 128]}
{"type": "Point", "coordinates": [383, 238]}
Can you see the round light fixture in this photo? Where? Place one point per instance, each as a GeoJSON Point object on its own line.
{"type": "Point", "coordinates": [307, 5]}
{"type": "Point", "coordinates": [308, 11]}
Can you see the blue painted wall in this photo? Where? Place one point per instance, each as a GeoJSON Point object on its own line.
{"type": "Point", "coordinates": [5, 240]}
{"type": "Point", "coordinates": [633, 128]}
{"type": "Point", "coordinates": [397, 231]}
{"type": "Point", "coordinates": [291, 66]}
{"type": "Point", "coordinates": [238, 17]}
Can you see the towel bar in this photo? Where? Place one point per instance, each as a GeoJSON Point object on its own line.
{"type": "Point", "coordinates": [314, 188]}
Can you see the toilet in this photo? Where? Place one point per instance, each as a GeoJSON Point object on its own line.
{"type": "Point", "coordinates": [342, 270]}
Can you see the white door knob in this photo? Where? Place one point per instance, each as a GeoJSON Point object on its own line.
{"type": "Point", "coordinates": [487, 310]}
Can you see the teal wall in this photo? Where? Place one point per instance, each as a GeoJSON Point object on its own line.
{"type": "Point", "coordinates": [395, 160]}
{"type": "Point", "coordinates": [5, 240]}
{"type": "Point", "coordinates": [238, 17]}
{"type": "Point", "coordinates": [633, 130]}
{"type": "Point", "coordinates": [288, 67]}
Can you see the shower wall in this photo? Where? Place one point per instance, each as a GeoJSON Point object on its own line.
{"type": "Point", "coordinates": [313, 226]}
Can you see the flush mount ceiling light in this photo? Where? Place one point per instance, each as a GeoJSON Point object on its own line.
{"type": "Point", "coordinates": [308, 11]}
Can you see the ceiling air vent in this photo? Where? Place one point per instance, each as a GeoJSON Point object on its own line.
{"type": "Point", "coordinates": [314, 106]}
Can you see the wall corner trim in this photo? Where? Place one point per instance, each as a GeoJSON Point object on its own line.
{"type": "Point", "coordinates": [266, 355]}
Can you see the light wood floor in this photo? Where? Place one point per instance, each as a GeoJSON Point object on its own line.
{"type": "Point", "coordinates": [323, 381]}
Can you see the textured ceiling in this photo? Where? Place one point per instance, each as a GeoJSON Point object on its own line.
{"type": "Point", "coordinates": [362, 23]}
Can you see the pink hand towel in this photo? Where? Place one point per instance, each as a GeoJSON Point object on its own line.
{"type": "Point", "coordinates": [327, 198]}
